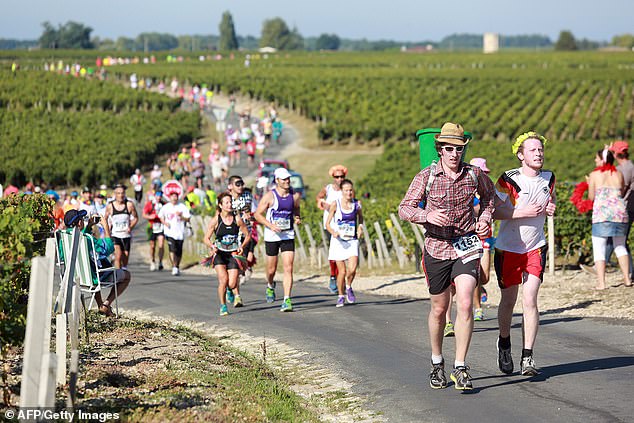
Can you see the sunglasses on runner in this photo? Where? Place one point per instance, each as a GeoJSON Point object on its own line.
{"type": "Point", "coordinates": [238, 183]}
{"type": "Point", "coordinates": [338, 176]}
{"type": "Point", "coordinates": [450, 148]}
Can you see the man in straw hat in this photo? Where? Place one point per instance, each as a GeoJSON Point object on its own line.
{"type": "Point", "coordinates": [452, 247]}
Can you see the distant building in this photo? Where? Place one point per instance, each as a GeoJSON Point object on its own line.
{"type": "Point", "coordinates": [417, 49]}
{"type": "Point", "coordinates": [491, 42]}
{"type": "Point", "coordinates": [267, 50]}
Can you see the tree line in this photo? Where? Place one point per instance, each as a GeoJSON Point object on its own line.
{"type": "Point", "coordinates": [276, 33]}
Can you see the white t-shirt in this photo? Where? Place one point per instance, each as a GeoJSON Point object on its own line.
{"type": "Point", "coordinates": [176, 229]}
{"type": "Point", "coordinates": [518, 190]}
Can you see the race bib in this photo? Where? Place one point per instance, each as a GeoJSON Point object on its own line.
{"type": "Point", "coordinates": [157, 227]}
{"type": "Point", "coordinates": [347, 230]}
{"type": "Point", "coordinates": [283, 223]}
{"type": "Point", "coordinates": [120, 226]}
{"type": "Point", "coordinates": [468, 248]}
{"type": "Point", "coordinates": [227, 243]}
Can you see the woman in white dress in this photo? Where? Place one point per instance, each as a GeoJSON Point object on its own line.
{"type": "Point", "coordinates": [344, 224]}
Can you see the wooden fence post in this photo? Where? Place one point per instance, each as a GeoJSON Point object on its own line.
{"type": "Point", "coordinates": [312, 250]}
{"type": "Point", "coordinates": [398, 227]}
{"type": "Point", "coordinates": [382, 243]}
{"type": "Point", "coordinates": [38, 317]}
{"type": "Point", "coordinates": [324, 243]}
{"type": "Point", "coordinates": [379, 252]}
{"type": "Point", "coordinates": [419, 238]}
{"type": "Point", "coordinates": [368, 246]}
{"type": "Point", "coordinates": [302, 250]}
{"type": "Point", "coordinates": [397, 247]}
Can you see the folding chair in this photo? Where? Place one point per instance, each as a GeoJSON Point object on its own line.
{"type": "Point", "coordinates": [87, 267]}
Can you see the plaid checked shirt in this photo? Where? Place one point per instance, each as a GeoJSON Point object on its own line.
{"type": "Point", "coordinates": [455, 196]}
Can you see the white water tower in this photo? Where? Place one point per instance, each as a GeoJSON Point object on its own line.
{"type": "Point", "coordinates": [491, 42]}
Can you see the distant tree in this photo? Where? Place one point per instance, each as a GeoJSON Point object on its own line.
{"type": "Point", "coordinates": [328, 42]}
{"type": "Point", "coordinates": [623, 40]}
{"type": "Point", "coordinates": [153, 41]}
{"type": "Point", "coordinates": [275, 33]}
{"type": "Point", "coordinates": [71, 35]}
{"type": "Point", "coordinates": [566, 41]}
{"type": "Point", "coordinates": [125, 44]}
{"type": "Point", "coordinates": [228, 39]}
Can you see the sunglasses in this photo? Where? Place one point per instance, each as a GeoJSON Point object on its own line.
{"type": "Point", "coordinates": [450, 148]}
{"type": "Point", "coordinates": [338, 176]}
{"type": "Point", "coordinates": [238, 183]}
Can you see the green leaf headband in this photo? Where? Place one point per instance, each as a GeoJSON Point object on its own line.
{"type": "Point", "coordinates": [526, 135]}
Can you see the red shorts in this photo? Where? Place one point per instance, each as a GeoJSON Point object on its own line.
{"type": "Point", "coordinates": [514, 268]}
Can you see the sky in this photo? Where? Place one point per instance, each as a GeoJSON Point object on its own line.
{"type": "Point", "coordinates": [401, 20]}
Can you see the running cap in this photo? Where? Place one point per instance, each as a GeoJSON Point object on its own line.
{"type": "Point", "coordinates": [72, 217]}
{"type": "Point", "coordinates": [481, 163]}
{"type": "Point", "coordinates": [619, 147]}
{"type": "Point", "coordinates": [281, 173]}
{"type": "Point", "coordinates": [451, 133]}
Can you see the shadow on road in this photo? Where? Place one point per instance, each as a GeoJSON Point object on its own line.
{"type": "Point", "coordinates": [563, 369]}
{"type": "Point", "coordinates": [397, 281]}
{"type": "Point", "coordinates": [542, 322]}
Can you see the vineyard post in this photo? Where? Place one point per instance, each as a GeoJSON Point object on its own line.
{"type": "Point", "coordinates": [312, 250]}
{"type": "Point", "coordinates": [419, 238]}
{"type": "Point", "coordinates": [380, 252]}
{"type": "Point", "coordinates": [302, 251]}
{"type": "Point", "coordinates": [551, 246]}
{"type": "Point", "coordinates": [397, 247]}
{"type": "Point", "coordinates": [397, 224]}
{"type": "Point", "coordinates": [323, 240]}
{"type": "Point", "coordinates": [368, 245]}
{"type": "Point", "coordinates": [383, 245]}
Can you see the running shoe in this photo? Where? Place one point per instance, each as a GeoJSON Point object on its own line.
{"type": "Point", "coordinates": [478, 315]}
{"type": "Point", "coordinates": [286, 305]}
{"type": "Point", "coordinates": [247, 275]}
{"type": "Point", "coordinates": [341, 301]}
{"type": "Point", "coordinates": [152, 267]}
{"type": "Point", "coordinates": [505, 361]}
{"type": "Point", "coordinates": [223, 310]}
{"type": "Point", "coordinates": [461, 378]}
{"type": "Point", "coordinates": [237, 301]}
{"type": "Point", "coordinates": [160, 266]}
{"type": "Point", "coordinates": [270, 295]}
{"type": "Point", "coordinates": [230, 296]}
{"type": "Point", "coordinates": [175, 271]}
{"type": "Point", "coordinates": [350, 296]}
{"type": "Point", "coordinates": [483, 296]}
{"type": "Point", "coordinates": [332, 286]}
{"type": "Point", "coordinates": [437, 377]}
{"type": "Point", "coordinates": [449, 330]}
{"type": "Point", "coordinates": [528, 366]}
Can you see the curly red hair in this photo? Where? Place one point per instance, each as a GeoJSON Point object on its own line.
{"type": "Point", "coordinates": [336, 168]}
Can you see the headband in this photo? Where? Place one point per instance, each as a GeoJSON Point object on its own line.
{"type": "Point", "coordinates": [526, 135]}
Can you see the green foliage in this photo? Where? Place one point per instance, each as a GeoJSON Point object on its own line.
{"type": "Point", "coordinates": [228, 39]}
{"type": "Point", "coordinates": [153, 41]}
{"type": "Point", "coordinates": [566, 42]}
{"type": "Point", "coordinates": [275, 33]}
{"type": "Point", "coordinates": [623, 40]}
{"type": "Point", "coordinates": [69, 35]}
{"type": "Point", "coordinates": [25, 223]}
{"type": "Point", "coordinates": [327, 42]}
{"type": "Point", "coordinates": [67, 131]}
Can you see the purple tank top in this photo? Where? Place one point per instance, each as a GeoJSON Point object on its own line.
{"type": "Point", "coordinates": [282, 215]}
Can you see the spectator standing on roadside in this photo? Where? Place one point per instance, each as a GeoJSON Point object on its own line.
{"type": "Point", "coordinates": [138, 180]}
{"type": "Point", "coordinates": [325, 199]}
{"type": "Point", "coordinates": [525, 196]}
{"type": "Point", "coordinates": [174, 215]}
{"type": "Point", "coordinates": [452, 247]}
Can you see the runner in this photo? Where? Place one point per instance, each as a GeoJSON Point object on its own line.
{"type": "Point", "coordinates": [325, 199]}
{"type": "Point", "coordinates": [138, 180]}
{"type": "Point", "coordinates": [345, 214]}
{"type": "Point", "coordinates": [281, 206]}
{"type": "Point", "coordinates": [452, 248]}
{"type": "Point", "coordinates": [174, 215]}
{"type": "Point", "coordinates": [524, 197]}
{"type": "Point", "coordinates": [150, 212]}
{"type": "Point", "coordinates": [242, 201]}
{"type": "Point", "coordinates": [122, 217]}
{"type": "Point", "coordinates": [226, 227]}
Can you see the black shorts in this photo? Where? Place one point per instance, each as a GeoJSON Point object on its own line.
{"type": "Point", "coordinates": [273, 248]}
{"type": "Point", "coordinates": [441, 273]}
{"type": "Point", "coordinates": [175, 246]}
{"type": "Point", "coordinates": [123, 243]}
{"type": "Point", "coordinates": [224, 258]}
{"type": "Point", "coordinates": [155, 236]}
{"type": "Point", "coordinates": [250, 248]}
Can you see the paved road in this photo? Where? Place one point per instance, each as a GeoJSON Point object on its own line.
{"type": "Point", "coordinates": [381, 345]}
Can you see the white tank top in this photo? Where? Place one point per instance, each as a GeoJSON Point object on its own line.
{"type": "Point", "coordinates": [332, 195]}
{"type": "Point", "coordinates": [120, 221]}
